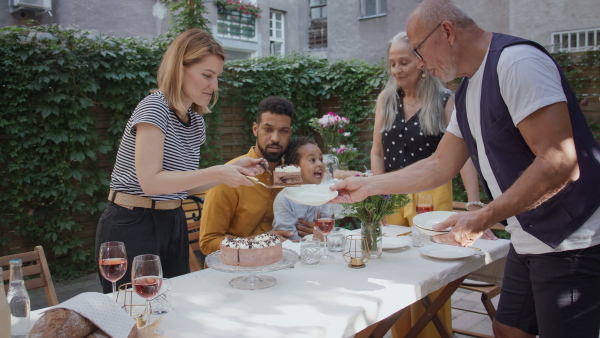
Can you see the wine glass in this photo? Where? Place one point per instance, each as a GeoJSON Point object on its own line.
{"type": "Point", "coordinates": [424, 203]}
{"type": "Point", "coordinates": [146, 275]}
{"type": "Point", "coordinates": [324, 222]}
{"type": "Point", "coordinates": [112, 262]}
{"type": "Point", "coordinates": [332, 164]}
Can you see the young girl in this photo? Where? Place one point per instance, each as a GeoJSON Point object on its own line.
{"type": "Point", "coordinates": [304, 153]}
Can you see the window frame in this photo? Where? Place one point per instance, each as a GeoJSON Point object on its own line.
{"type": "Point", "coordinates": [322, 5]}
{"type": "Point", "coordinates": [380, 9]}
{"type": "Point", "coordinates": [272, 37]}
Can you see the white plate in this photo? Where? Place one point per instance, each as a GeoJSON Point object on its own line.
{"type": "Point", "coordinates": [427, 220]}
{"type": "Point", "coordinates": [447, 252]}
{"type": "Point", "coordinates": [310, 194]}
{"type": "Point", "coordinates": [390, 243]}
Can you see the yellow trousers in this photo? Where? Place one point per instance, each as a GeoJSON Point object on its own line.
{"type": "Point", "coordinates": [442, 200]}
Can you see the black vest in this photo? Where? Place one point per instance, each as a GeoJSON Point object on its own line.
{"type": "Point", "coordinates": [509, 155]}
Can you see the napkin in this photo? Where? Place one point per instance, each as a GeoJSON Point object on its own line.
{"type": "Point", "coordinates": [101, 310]}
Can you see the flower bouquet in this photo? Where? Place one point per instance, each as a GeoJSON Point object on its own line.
{"type": "Point", "coordinates": [371, 212]}
{"type": "Point", "coordinates": [345, 154]}
{"type": "Point", "coordinates": [331, 127]}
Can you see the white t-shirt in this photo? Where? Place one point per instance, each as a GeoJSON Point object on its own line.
{"type": "Point", "coordinates": [529, 80]}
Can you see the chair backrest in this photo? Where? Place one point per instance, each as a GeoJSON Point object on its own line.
{"type": "Point", "coordinates": [193, 210]}
{"type": "Point", "coordinates": [36, 268]}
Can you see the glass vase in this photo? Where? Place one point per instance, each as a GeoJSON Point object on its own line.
{"type": "Point", "coordinates": [373, 237]}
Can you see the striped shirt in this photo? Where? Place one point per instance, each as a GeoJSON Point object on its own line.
{"type": "Point", "coordinates": [181, 148]}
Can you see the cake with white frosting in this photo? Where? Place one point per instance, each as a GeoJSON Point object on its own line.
{"type": "Point", "coordinates": [287, 176]}
{"type": "Point", "coordinates": [261, 250]}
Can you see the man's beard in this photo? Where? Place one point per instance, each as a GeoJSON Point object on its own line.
{"type": "Point", "coordinates": [270, 157]}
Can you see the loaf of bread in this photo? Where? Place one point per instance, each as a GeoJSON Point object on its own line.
{"type": "Point", "coordinates": [59, 323]}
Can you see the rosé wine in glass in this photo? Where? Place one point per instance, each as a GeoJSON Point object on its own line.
{"type": "Point", "coordinates": [325, 225]}
{"type": "Point", "coordinates": [112, 263]}
{"type": "Point", "coordinates": [147, 287]}
{"type": "Point", "coordinates": [113, 269]}
{"type": "Point", "coordinates": [421, 208]}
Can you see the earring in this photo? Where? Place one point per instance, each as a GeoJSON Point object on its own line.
{"type": "Point", "coordinates": [423, 74]}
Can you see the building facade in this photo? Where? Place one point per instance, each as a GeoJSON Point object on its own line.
{"type": "Point", "coordinates": [332, 29]}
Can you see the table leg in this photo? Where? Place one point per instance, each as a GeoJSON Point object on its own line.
{"type": "Point", "coordinates": [432, 308]}
{"type": "Point", "coordinates": [380, 328]}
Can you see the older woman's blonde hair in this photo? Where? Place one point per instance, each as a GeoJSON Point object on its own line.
{"type": "Point", "coordinates": [429, 90]}
{"type": "Point", "coordinates": [189, 48]}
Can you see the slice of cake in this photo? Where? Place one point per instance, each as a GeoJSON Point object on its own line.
{"type": "Point", "coordinates": [287, 176]}
{"type": "Point", "coordinates": [261, 250]}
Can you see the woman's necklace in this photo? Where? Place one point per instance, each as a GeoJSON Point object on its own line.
{"type": "Point", "coordinates": [412, 103]}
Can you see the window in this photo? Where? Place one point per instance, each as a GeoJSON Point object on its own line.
{"type": "Point", "coordinates": [236, 25]}
{"type": "Point", "coordinates": [575, 41]}
{"type": "Point", "coordinates": [317, 32]}
{"type": "Point", "coordinates": [373, 7]}
{"type": "Point", "coordinates": [318, 9]}
{"type": "Point", "coordinates": [276, 33]}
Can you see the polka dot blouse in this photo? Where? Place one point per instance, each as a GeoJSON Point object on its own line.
{"type": "Point", "coordinates": [405, 143]}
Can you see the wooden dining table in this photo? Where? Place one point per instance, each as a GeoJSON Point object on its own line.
{"type": "Point", "coordinates": [329, 299]}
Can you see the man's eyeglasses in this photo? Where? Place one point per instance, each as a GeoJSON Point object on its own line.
{"type": "Point", "coordinates": [422, 42]}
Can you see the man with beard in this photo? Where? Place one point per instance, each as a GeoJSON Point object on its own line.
{"type": "Point", "coordinates": [248, 211]}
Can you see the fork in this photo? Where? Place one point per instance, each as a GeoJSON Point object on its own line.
{"type": "Point", "coordinates": [257, 181]}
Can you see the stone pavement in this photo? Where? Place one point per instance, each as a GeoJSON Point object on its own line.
{"type": "Point", "coordinates": [461, 300]}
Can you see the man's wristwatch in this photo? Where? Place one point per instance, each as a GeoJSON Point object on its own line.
{"type": "Point", "coordinates": [481, 204]}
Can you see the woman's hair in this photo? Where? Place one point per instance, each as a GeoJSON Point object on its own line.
{"type": "Point", "coordinates": [429, 90]}
{"type": "Point", "coordinates": [189, 48]}
{"type": "Point", "coordinates": [292, 156]}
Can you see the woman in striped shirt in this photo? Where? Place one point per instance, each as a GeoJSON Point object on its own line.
{"type": "Point", "coordinates": [158, 158]}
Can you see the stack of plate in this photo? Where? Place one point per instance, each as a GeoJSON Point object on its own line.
{"type": "Point", "coordinates": [427, 220]}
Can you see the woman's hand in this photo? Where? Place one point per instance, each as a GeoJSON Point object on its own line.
{"type": "Point", "coordinates": [251, 164]}
{"type": "Point", "coordinates": [234, 175]}
{"type": "Point", "coordinates": [304, 227]}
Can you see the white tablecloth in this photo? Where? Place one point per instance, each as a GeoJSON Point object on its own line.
{"type": "Point", "coordinates": [325, 300]}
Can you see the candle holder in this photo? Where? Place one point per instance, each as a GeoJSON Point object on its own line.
{"type": "Point", "coordinates": [356, 251]}
{"type": "Point", "coordinates": [125, 300]}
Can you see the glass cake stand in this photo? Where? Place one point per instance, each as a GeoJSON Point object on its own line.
{"type": "Point", "coordinates": [252, 281]}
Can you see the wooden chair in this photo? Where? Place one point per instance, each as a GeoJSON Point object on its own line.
{"type": "Point", "coordinates": [488, 291]}
{"type": "Point", "coordinates": [193, 210]}
{"type": "Point", "coordinates": [34, 264]}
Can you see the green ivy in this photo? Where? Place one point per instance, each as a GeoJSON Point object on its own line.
{"type": "Point", "coordinates": [186, 14]}
{"type": "Point", "coordinates": [53, 80]}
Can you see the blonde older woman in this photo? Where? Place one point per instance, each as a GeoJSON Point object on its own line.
{"type": "Point", "coordinates": [411, 116]}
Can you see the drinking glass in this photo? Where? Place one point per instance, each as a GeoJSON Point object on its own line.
{"type": "Point", "coordinates": [324, 222]}
{"type": "Point", "coordinates": [424, 203]}
{"type": "Point", "coordinates": [146, 275]}
{"type": "Point", "coordinates": [335, 240]}
{"type": "Point", "coordinates": [112, 262]}
{"type": "Point", "coordinates": [310, 251]}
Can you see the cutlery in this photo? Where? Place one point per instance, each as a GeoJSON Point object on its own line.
{"type": "Point", "coordinates": [266, 167]}
{"type": "Point", "coordinates": [275, 186]}
{"type": "Point", "coordinates": [404, 234]}
{"type": "Point", "coordinates": [257, 181]}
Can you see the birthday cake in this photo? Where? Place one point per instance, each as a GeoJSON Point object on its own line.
{"type": "Point", "coordinates": [287, 176]}
{"type": "Point", "coordinates": [261, 250]}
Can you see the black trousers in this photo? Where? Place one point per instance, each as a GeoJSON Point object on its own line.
{"type": "Point", "coordinates": [146, 231]}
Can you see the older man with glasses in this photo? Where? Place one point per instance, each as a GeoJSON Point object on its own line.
{"type": "Point", "coordinates": [521, 124]}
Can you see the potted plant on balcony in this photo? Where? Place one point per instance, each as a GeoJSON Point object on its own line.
{"type": "Point", "coordinates": [229, 6]}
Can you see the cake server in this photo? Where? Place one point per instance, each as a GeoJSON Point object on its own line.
{"type": "Point", "coordinates": [266, 167]}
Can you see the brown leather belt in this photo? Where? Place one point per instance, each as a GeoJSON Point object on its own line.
{"type": "Point", "coordinates": [131, 201]}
